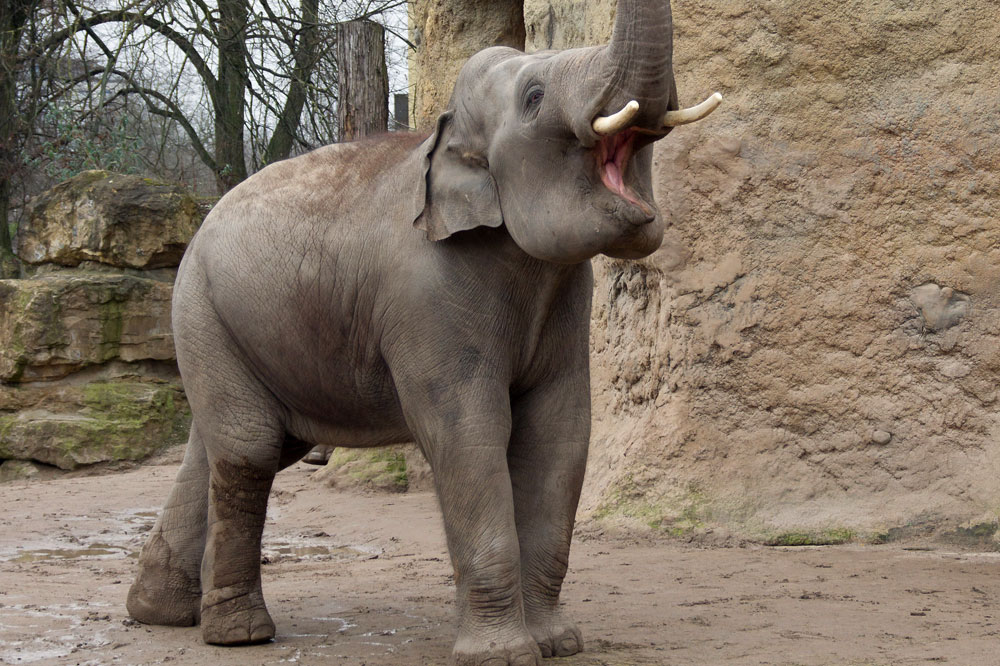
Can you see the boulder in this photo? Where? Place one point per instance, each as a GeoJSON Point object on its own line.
{"type": "Point", "coordinates": [70, 426]}
{"type": "Point", "coordinates": [114, 219]}
{"type": "Point", "coordinates": [60, 323]}
{"type": "Point", "coordinates": [18, 470]}
{"type": "Point", "coordinates": [397, 468]}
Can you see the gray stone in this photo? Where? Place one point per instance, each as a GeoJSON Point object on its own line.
{"type": "Point", "coordinates": [940, 307]}
{"type": "Point", "coordinates": [881, 437]}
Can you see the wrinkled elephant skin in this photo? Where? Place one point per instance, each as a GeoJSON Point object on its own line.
{"type": "Point", "coordinates": [431, 289]}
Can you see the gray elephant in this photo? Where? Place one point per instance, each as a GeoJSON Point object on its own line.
{"type": "Point", "coordinates": [430, 289]}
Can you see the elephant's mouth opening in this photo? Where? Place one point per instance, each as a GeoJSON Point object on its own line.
{"type": "Point", "coordinates": [614, 153]}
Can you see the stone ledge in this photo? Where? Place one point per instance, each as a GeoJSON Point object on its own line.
{"type": "Point", "coordinates": [58, 324]}
{"type": "Point", "coordinates": [98, 422]}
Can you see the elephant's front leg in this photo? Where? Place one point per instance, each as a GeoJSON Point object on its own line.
{"type": "Point", "coordinates": [547, 459]}
{"type": "Point", "coordinates": [466, 442]}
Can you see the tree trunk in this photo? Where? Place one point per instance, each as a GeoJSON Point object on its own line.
{"type": "Point", "coordinates": [13, 16]}
{"type": "Point", "coordinates": [230, 156]}
{"type": "Point", "coordinates": [8, 262]}
{"type": "Point", "coordinates": [363, 81]}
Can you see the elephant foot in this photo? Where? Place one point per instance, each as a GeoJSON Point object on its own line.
{"type": "Point", "coordinates": [161, 594]}
{"type": "Point", "coordinates": [230, 616]}
{"type": "Point", "coordinates": [490, 649]}
{"type": "Point", "coordinates": [556, 636]}
{"type": "Point", "coordinates": [319, 455]}
{"type": "Point", "coordinates": [157, 604]}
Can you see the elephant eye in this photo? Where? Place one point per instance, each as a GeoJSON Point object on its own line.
{"type": "Point", "coordinates": [534, 98]}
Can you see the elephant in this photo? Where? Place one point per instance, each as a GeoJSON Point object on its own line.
{"type": "Point", "coordinates": [434, 289]}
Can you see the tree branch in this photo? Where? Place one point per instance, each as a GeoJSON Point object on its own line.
{"type": "Point", "coordinates": [152, 23]}
{"type": "Point", "coordinates": [173, 112]}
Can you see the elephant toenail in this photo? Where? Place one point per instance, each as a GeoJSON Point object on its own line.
{"type": "Point", "coordinates": [568, 646]}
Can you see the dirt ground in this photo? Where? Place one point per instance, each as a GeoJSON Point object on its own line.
{"type": "Point", "coordinates": [360, 579]}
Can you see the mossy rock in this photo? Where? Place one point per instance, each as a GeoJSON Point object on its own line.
{"type": "Point", "coordinates": [377, 469]}
{"type": "Point", "coordinates": [55, 325]}
{"type": "Point", "coordinates": [10, 267]}
{"type": "Point", "coordinates": [975, 535]}
{"type": "Point", "coordinates": [683, 514]}
{"type": "Point", "coordinates": [834, 536]}
{"type": "Point", "coordinates": [98, 422]}
{"type": "Point", "coordinates": [17, 470]}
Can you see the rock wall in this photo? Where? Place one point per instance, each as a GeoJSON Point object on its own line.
{"type": "Point", "coordinates": [816, 348]}
{"type": "Point", "coordinates": [87, 367]}
{"type": "Point", "coordinates": [446, 34]}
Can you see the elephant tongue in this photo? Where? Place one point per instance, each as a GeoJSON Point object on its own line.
{"type": "Point", "coordinates": [614, 153]}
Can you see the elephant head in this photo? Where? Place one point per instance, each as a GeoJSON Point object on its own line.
{"type": "Point", "coordinates": [557, 145]}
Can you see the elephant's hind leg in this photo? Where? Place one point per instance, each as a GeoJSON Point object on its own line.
{"type": "Point", "coordinates": [167, 589]}
{"type": "Point", "coordinates": [243, 429]}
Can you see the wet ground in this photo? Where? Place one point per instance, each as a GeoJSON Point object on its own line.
{"type": "Point", "coordinates": [364, 579]}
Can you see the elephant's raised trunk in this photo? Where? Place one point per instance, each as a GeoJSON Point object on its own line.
{"type": "Point", "coordinates": [638, 63]}
{"type": "Point", "coordinates": [637, 73]}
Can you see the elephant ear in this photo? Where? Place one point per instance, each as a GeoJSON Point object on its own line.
{"type": "Point", "coordinates": [457, 193]}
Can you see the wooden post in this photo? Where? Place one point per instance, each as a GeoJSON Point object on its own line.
{"type": "Point", "coordinates": [363, 96]}
{"type": "Point", "coordinates": [402, 111]}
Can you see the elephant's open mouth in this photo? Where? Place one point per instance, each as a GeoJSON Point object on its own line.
{"type": "Point", "coordinates": [614, 153]}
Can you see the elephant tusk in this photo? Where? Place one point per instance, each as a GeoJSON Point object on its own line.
{"type": "Point", "coordinates": [608, 125]}
{"type": "Point", "coordinates": [695, 113]}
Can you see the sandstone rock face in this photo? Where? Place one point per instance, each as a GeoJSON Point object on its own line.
{"type": "Point", "coordinates": [567, 24]}
{"type": "Point", "coordinates": [817, 345]}
{"type": "Point", "coordinates": [123, 221]}
{"type": "Point", "coordinates": [55, 325]}
{"type": "Point", "coordinates": [446, 34]}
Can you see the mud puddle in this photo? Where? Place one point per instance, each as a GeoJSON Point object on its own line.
{"type": "Point", "coordinates": [317, 549]}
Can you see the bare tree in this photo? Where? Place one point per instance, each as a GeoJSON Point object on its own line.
{"type": "Point", "coordinates": [15, 16]}
{"type": "Point", "coordinates": [198, 91]}
{"type": "Point", "coordinates": [245, 64]}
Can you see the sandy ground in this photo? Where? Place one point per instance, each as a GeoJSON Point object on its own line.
{"type": "Point", "coordinates": [364, 579]}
